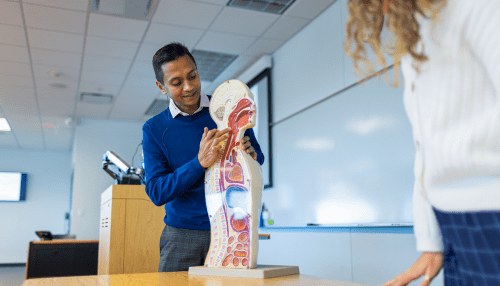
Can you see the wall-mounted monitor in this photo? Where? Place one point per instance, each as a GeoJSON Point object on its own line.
{"type": "Point", "coordinates": [12, 186]}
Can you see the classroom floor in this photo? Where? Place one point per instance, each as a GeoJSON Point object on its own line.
{"type": "Point", "coordinates": [12, 275]}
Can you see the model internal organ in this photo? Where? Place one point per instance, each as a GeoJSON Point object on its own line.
{"type": "Point", "coordinates": [233, 184]}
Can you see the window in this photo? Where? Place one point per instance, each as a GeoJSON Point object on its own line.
{"type": "Point", "coordinates": [261, 89]}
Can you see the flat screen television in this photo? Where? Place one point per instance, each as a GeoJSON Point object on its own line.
{"type": "Point", "coordinates": [12, 186]}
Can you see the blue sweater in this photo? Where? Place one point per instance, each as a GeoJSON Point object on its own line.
{"type": "Point", "coordinates": [174, 176]}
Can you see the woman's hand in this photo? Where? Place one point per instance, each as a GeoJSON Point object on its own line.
{"type": "Point", "coordinates": [246, 146]}
{"type": "Point", "coordinates": [428, 264]}
{"type": "Point", "coordinates": [209, 146]}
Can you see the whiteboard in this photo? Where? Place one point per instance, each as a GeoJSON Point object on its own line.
{"type": "Point", "coordinates": [347, 161]}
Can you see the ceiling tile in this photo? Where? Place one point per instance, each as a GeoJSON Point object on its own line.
{"type": "Point", "coordinates": [99, 88]}
{"type": "Point", "coordinates": [17, 69]}
{"type": "Point", "coordinates": [55, 41]}
{"type": "Point", "coordinates": [106, 64]}
{"type": "Point", "coordinates": [116, 27]}
{"type": "Point", "coordinates": [92, 110]}
{"type": "Point", "coordinates": [147, 51]}
{"type": "Point", "coordinates": [56, 73]}
{"type": "Point", "coordinates": [46, 86]}
{"type": "Point", "coordinates": [111, 48]}
{"type": "Point", "coordinates": [264, 46]}
{"type": "Point", "coordinates": [143, 69]}
{"type": "Point", "coordinates": [186, 13]}
{"type": "Point", "coordinates": [15, 81]}
{"type": "Point", "coordinates": [164, 34]}
{"type": "Point", "coordinates": [14, 53]}
{"type": "Point", "coordinates": [57, 95]}
{"type": "Point", "coordinates": [224, 43]}
{"type": "Point", "coordinates": [80, 5]}
{"type": "Point", "coordinates": [54, 107]}
{"type": "Point", "coordinates": [243, 22]}
{"type": "Point", "coordinates": [13, 97]}
{"type": "Point", "coordinates": [54, 19]}
{"type": "Point", "coordinates": [127, 107]}
{"type": "Point", "coordinates": [12, 35]}
{"type": "Point", "coordinates": [56, 59]}
{"type": "Point", "coordinates": [285, 28]}
{"type": "Point", "coordinates": [10, 13]}
{"type": "Point", "coordinates": [216, 2]}
{"type": "Point", "coordinates": [306, 9]}
{"type": "Point", "coordinates": [100, 77]}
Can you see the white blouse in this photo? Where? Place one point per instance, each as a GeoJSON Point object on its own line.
{"type": "Point", "coordinates": [454, 107]}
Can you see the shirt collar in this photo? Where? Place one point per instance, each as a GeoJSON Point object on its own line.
{"type": "Point", "coordinates": [174, 110]}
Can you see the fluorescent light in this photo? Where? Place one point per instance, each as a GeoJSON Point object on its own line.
{"type": "Point", "coordinates": [4, 125]}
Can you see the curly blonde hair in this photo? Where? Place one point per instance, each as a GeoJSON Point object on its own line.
{"type": "Point", "coordinates": [365, 24]}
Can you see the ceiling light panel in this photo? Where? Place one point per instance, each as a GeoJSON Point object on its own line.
{"type": "Point", "coordinates": [211, 64]}
{"type": "Point", "coordinates": [4, 125]}
{"type": "Point", "coordinates": [267, 6]}
{"type": "Point", "coordinates": [132, 9]}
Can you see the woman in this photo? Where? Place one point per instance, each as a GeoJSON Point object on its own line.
{"type": "Point", "coordinates": [450, 58]}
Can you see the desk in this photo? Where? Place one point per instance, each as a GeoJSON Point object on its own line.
{"type": "Point", "coordinates": [182, 278]}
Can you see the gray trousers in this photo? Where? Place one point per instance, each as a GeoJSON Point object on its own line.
{"type": "Point", "coordinates": [181, 248]}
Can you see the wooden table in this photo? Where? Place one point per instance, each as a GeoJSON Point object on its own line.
{"type": "Point", "coordinates": [181, 278]}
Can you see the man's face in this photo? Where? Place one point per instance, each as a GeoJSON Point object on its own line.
{"type": "Point", "coordinates": [181, 83]}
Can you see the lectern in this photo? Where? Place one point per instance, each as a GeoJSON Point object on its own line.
{"type": "Point", "coordinates": [130, 229]}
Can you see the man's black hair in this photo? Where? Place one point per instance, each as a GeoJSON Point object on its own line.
{"type": "Point", "coordinates": [168, 53]}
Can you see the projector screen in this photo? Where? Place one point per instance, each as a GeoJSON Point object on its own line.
{"type": "Point", "coordinates": [12, 186]}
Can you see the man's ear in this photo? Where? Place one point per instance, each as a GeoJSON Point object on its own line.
{"type": "Point", "coordinates": [161, 87]}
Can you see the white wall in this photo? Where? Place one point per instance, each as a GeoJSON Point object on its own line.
{"type": "Point", "coordinates": [308, 68]}
{"type": "Point", "coordinates": [93, 137]}
{"type": "Point", "coordinates": [47, 199]}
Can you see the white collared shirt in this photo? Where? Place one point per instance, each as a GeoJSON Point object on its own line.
{"type": "Point", "coordinates": [174, 110]}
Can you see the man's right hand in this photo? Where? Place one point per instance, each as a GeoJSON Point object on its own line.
{"type": "Point", "coordinates": [209, 146]}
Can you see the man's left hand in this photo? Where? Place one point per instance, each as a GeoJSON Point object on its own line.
{"type": "Point", "coordinates": [246, 146]}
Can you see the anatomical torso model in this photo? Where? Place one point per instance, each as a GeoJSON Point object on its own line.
{"type": "Point", "coordinates": [233, 184]}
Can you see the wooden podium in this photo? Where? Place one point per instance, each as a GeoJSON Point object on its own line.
{"type": "Point", "coordinates": [130, 231]}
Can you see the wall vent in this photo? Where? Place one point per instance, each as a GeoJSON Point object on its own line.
{"type": "Point", "coordinates": [268, 6]}
{"type": "Point", "coordinates": [157, 106]}
{"type": "Point", "coordinates": [211, 64]}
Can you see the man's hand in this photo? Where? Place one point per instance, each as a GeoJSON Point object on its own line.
{"type": "Point", "coordinates": [246, 146]}
{"type": "Point", "coordinates": [428, 264]}
{"type": "Point", "coordinates": [209, 146]}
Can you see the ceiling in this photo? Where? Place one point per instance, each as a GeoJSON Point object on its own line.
{"type": "Point", "coordinates": [53, 50]}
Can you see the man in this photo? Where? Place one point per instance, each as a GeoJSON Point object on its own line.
{"type": "Point", "coordinates": [179, 144]}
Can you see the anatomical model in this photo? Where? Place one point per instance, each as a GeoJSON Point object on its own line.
{"type": "Point", "coordinates": [233, 184]}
